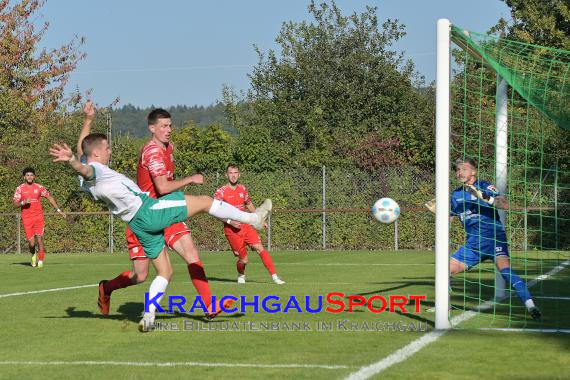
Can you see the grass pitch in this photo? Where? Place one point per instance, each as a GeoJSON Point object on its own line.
{"type": "Point", "coordinates": [51, 327]}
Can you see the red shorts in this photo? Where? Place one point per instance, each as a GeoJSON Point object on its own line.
{"type": "Point", "coordinates": [242, 237]}
{"type": "Point", "coordinates": [171, 235]}
{"type": "Point", "coordinates": [33, 226]}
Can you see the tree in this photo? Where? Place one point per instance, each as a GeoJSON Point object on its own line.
{"type": "Point", "coordinates": [541, 22]}
{"type": "Point", "coordinates": [32, 81]}
{"type": "Point", "coordinates": [202, 150]}
{"type": "Point", "coordinates": [335, 85]}
{"type": "Point", "coordinates": [545, 23]}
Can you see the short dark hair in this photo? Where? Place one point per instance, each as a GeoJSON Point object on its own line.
{"type": "Point", "coordinates": [466, 160]}
{"type": "Point", "coordinates": [91, 141]}
{"type": "Point", "coordinates": [157, 113]}
{"type": "Point", "coordinates": [232, 166]}
{"type": "Point", "coordinates": [27, 170]}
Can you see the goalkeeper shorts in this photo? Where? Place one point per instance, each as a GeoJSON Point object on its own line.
{"type": "Point", "coordinates": [472, 254]}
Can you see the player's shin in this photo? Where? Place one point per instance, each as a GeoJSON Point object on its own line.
{"type": "Point", "coordinates": [518, 285]}
{"type": "Point", "coordinates": [200, 281]}
{"type": "Point", "coordinates": [267, 262]}
{"type": "Point", "coordinates": [158, 285]}
{"type": "Point", "coordinates": [224, 211]}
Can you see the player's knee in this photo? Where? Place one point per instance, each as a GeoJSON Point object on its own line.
{"type": "Point", "coordinates": [502, 262]}
{"type": "Point", "coordinates": [167, 274]}
{"type": "Point", "coordinates": [456, 267]}
{"type": "Point", "coordinates": [243, 259]}
{"type": "Point", "coordinates": [139, 277]}
{"type": "Point", "coordinates": [190, 255]}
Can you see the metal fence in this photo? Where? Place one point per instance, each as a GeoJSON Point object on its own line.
{"type": "Point", "coordinates": [313, 210]}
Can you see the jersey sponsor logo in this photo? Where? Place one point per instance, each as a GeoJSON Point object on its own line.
{"type": "Point", "coordinates": [155, 166]}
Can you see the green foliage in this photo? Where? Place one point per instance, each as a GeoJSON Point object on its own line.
{"type": "Point", "coordinates": [202, 150]}
{"type": "Point", "coordinates": [540, 22]}
{"type": "Point", "coordinates": [336, 86]}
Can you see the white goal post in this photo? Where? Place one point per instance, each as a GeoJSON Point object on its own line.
{"type": "Point", "coordinates": [442, 170]}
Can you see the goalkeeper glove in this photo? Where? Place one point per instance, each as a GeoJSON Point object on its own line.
{"type": "Point", "coordinates": [479, 194]}
{"type": "Point", "coordinates": [431, 205]}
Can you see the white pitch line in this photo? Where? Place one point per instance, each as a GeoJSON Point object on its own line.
{"type": "Point", "coordinates": [171, 364]}
{"type": "Point", "coordinates": [564, 331]}
{"type": "Point", "coordinates": [46, 290]}
{"type": "Point", "coordinates": [407, 351]}
{"type": "Point", "coordinates": [354, 264]}
{"type": "Point", "coordinates": [280, 264]}
{"type": "Point", "coordinates": [553, 298]}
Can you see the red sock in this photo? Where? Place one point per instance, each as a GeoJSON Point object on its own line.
{"type": "Point", "coordinates": [266, 259]}
{"type": "Point", "coordinates": [200, 281]}
{"type": "Point", "coordinates": [41, 255]}
{"type": "Point", "coordinates": [240, 267]}
{"type": "Point", "coordinates": [121, 281]}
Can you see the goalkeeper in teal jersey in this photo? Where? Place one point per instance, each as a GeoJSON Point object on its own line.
{"type": "Point", "coordinates": [476, 203]}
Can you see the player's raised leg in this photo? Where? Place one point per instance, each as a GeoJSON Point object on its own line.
{"type": "Point", "coordinates": [224, 211]}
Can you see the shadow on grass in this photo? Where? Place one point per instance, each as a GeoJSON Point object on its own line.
{"type": "Point", "coordinates": [24, 263]}
{"type": "Point", "coordinates": [132, 311]}
{"type": "Point", "coordinates": [234, 280]}
{"type": "Point", "coordinates": [402, 285]}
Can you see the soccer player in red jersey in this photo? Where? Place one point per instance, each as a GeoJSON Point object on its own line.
{"type": "Point", "coordinates": [155, 175]}
{"type": "Point", "coordinates": [28, 197]}
{"type": "Point", "coordinates": [239, 235]}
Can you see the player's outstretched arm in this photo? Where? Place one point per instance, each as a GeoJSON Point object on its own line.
{"type": "Point", "coordinates": [487, 198]}
{"type": "Point", "coordinates": [164, 186]}
{"type": "Point", "coordinates": [63, 153]}
{"type": "Point", "coordinates": [490, 197]}
{"type": "Point", "coordinates": [501, 202]}
{"type": "Point", "coordinates": [53, 203]}
{"type": "Point", "coordinates": [89, 115]}
{"type": "Point", "coordinates": [430, 205]}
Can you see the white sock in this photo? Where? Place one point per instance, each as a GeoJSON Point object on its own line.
{"type": "Point", "coordinates": [224, 211]}
{"type": "Point", "coordinates": [158, 285]}
{"type": "Point", "coordinates": [529, 304]}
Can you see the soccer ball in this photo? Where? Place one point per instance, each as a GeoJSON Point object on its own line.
{"type": "Point", "coordinates": [386, 210]}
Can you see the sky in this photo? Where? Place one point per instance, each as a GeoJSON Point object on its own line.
{"type": "Point", "coordinates": [183, 52]}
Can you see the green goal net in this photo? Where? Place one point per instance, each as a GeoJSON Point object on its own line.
{"type": "Point", "coordinates": [510, 111]}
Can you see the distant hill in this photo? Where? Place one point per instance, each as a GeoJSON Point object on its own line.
{"type": "Point", "coordinates": [131, 120]}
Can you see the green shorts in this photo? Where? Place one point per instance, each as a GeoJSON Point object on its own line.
{"type": "Point", "coordinates": [154, 216]}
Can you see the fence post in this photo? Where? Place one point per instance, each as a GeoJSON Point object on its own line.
{"type": "Point", "coordinates": [19, 233]}
{"type": "Point", "coordinates": [396, 235]}
{"type": "Point", "coordinates": [324, 208]}
{"type": "Point", "coordinates": [269, 232]}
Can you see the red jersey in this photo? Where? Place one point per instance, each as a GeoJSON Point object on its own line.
{"type": "Point", "coordinates": [34, 193]}
{"type": "Point", "coordinates": [154, 161]}
{"type": "Point", "coordinates": [237, 197]}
